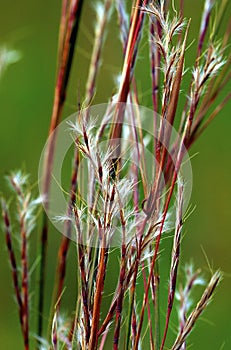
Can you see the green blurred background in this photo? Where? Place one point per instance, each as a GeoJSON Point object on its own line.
{"type": "Point", "coordinates": [26, 97]}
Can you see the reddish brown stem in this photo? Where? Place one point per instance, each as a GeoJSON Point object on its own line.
{"type": "Point", "coordinates": [98, 298]}
{"type": "Point", "coordinates": [66, 48]}
{"type": "Point", "coordinates": [12, 258]}
{"type": "Point", "coordinates": [24, 259]}
{"type": "Point", "coordinates": [126, 77]}
{"type": "Point", "coordinates": [149, 310]}
{"type": "Point", "coordinates": [121, 286]}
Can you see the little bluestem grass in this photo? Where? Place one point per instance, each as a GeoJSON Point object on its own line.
{"type": "Point", "coordinates": [120, 196]}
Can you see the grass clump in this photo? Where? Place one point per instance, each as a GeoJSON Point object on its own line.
{"type": "Point", "coordinates": [131, 201]}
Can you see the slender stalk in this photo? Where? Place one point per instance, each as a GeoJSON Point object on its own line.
{"type": "Point", "coordinates": [66, 52]}
{"type": "Point", "coordinates": [23, 201]}
{"type": "Point", "coordinates": [84, 284]}
{"type": "Point", "coordinates": [54, 332]}
{"type": "Point", "coordinates": [156, 251]}
{"type": "Point", "coordinates": [42, 272]}
{"type": "Point", "coordinates": [97, 298]}
{"type": "Point", "coordinates": [156, 289]}
{"type": "Point", "coordinates": [25, 287]}
{"type": "Point", "coordinates": [96, 52]}
{"type": "Point", "coordinates": [198, 132]}
{"type": "Point", "coordinates": [149, 311]}
{"type": "Point", "coordinates": [123, 22]}
{"type": "Point", "coordinates": [174, 261]}
{"type": "Point", "coordinates": [121, 288]}
{"type": "Point", "coordinates": [126, 77]}
{"type": "Point", "coordinates": [203, 302]}
{"type": "Point", "coordinates": [204, 24]}
{"type": "Point", "coordinates": [131, 302]}
{"type": "Point", "coordinates": [62, 28]}
{"type": "Point", "coordinates": [65, 243]}
{"type": "Point", "coordinates": [13, 263]}
{"type": "Point", "coordinates": [133, 287]}
{"type": "Point", "coordinates": [108, 317]}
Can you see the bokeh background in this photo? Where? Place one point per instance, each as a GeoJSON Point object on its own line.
{"type": "Point", "coordinates": [26, 97]}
